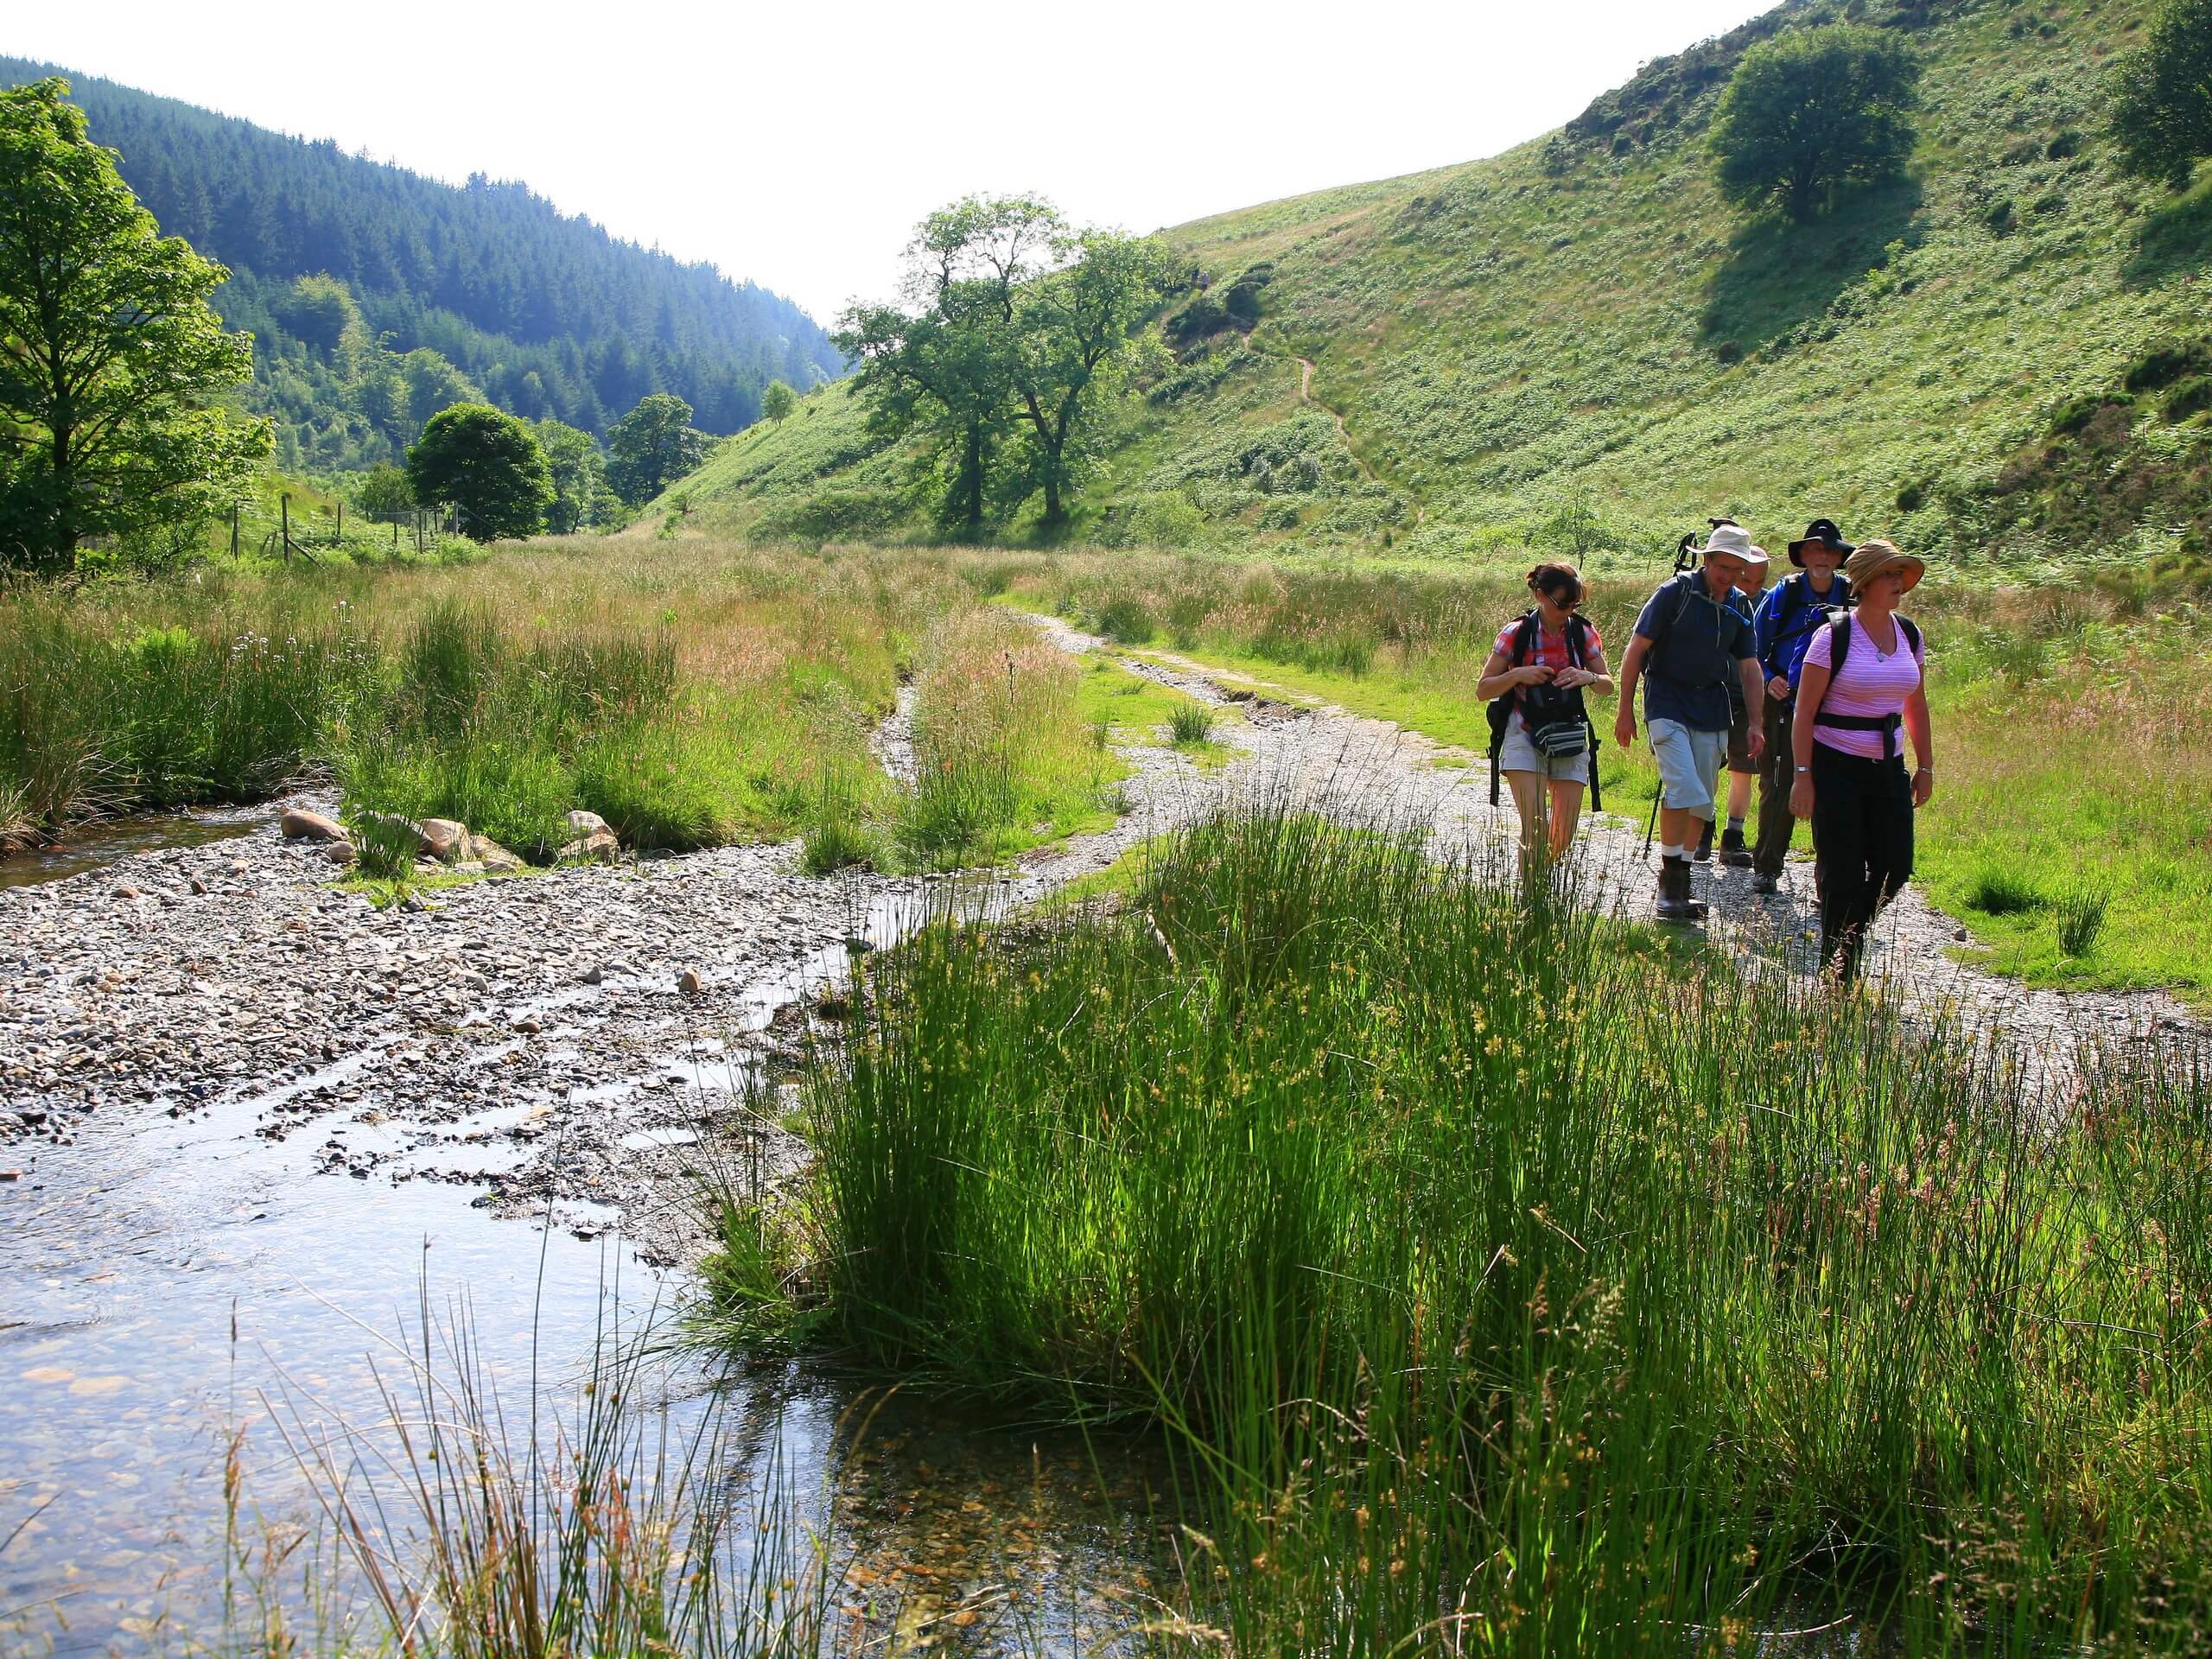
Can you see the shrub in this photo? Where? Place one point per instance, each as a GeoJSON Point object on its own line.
{"type": "Point", "coordinates": [1123, 620]}
{"type": "Point", "coordinates": [2192, 397]}
{"type": "Point", "coordinates": [2162, 364]}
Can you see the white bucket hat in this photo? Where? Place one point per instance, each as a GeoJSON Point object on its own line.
{"type": "Point", "coordinates": [1734, 541]}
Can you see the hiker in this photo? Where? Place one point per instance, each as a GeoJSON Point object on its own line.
{"type": "Point", "coordinates": [1741, 769]}
{"type": "Point", "coordinates": [1861, 682]}
{"type": "Point", "coordinates": [1542, 740]}
{"type": "Point", "coordinates": [1693, 636]}
{"type": "Point", "coordinates": [1789, 617]}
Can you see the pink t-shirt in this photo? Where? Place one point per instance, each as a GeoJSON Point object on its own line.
{"type": "Point", "coordinates": [1871, 684]}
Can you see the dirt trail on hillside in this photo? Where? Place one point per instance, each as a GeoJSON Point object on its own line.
{"type": "Point", "coordinates": [1362, 768]}
{"type": "Point", "coordinates": [1343, 434]}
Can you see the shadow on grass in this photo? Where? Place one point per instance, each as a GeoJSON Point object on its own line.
{"type": "Point", "coordinates": [1779, 274]}
{"type": "Point", "coordinates": [2175, 239]}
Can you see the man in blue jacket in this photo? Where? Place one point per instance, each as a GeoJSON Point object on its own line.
{"type": "Point", "coordinates": [1791, 613]}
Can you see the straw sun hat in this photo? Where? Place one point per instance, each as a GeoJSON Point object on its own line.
{"type": "Point", "coordinates": [1871, 559]}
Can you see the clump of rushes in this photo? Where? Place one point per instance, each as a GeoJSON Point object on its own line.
{"type": "Point", "coordinates": [1513, 1288]}
{"type": "Point", "coordinates": [1190, 722]}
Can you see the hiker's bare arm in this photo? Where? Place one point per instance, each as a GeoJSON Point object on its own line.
{"type": "Point", "coordinates": [1497, 679]}
{"type": "Point", "coordinates": [1631, 670]}
{"type": "Point", "coordinates": [1921, 730]}
{"type": "Point", "coordinates": [1754, 696]}
{"type": "Point", "coordinates": [1812, 687]}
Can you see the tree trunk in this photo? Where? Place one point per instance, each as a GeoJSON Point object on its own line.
{"type": "Point", "coordinates": [972, 479]}
{"type": "Point", "coordinates": [1056, 514]}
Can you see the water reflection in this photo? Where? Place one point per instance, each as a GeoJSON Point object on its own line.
{"type": "Point", "coordinates": [96, 846]}
{"type": "Point", "coordinates": [169, 1279]}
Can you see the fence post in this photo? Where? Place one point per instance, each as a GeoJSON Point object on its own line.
{"type": "Point", "coordinates": [285, 508]}
{"type": "Point", "coordinates": [234, 532]}
{"type": "Point", "coordinates": [341, 524]}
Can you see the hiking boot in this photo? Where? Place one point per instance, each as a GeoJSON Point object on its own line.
{"type": "Point", "coordinates": [1765, 883]}
{"type": "Point", "coordinates": [1733, 853]}
{"type": "Point", "coordinates": [1705, 842]}
{"type": "Point", "coordinates": [1675, 903]}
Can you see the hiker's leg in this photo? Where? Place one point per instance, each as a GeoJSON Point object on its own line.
{"type": "Point", "coordinates": [1889, 844]}
{"type": "Point", "coordinates": [1776, 825]}
{"type": "Point", "coordinates": [1566, 807]}
{"type": "Point", "coordinates": [1529, 802]}
{"type": "Point", "coordinates": [1739, 794]}
{"type": "Point", "coordinates": [1842, 817]}
{"type": "Point", "coordinates": [1686, 778]}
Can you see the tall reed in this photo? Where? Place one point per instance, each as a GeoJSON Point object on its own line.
{"type": "Point", "coordinates": [1513, 1286]}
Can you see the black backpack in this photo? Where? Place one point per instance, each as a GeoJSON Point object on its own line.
{"type": "Point", "coordinates": [1839, 647]}
{"type": "Point", "coordinates": [1546, 706]}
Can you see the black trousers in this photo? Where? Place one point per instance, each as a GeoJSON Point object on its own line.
{"type": "Point", "coordinates": [1862, 821]}
{"type": "Point", "coordinates": [1778, 770]}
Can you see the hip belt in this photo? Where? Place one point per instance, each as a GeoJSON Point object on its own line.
{"type": "Point", "coordinates": [1887, 725]}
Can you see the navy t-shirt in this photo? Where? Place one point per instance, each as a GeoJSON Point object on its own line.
{"type": "Point", "coordinates": [1697, 642]}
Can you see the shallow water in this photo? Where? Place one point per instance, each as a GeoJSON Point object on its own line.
{"type": "Point", "coordinates": [96, 846]}
{"type": "Point", "coordinates": [170, 1280]}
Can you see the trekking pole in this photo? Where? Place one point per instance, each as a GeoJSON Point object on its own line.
{"type": "Point", "coordinates": [1651, 829]}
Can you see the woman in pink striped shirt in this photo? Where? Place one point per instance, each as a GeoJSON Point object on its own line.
{"type": "Point", "coordinates": [1863, 684]}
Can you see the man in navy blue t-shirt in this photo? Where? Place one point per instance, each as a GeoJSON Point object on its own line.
{"type": "Point", "coordinates": [1694, 634]}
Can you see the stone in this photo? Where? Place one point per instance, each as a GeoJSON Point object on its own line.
{"type": "Point", "coordinates": [448, 839]}
{"type": "Point", "coordinates": [400, 828]}
{"type": "Point", "coordinates": [300, 824]}
{"type": "Point", "coordinates": [600, 846]}
{"type": "Point", "coordinates": [582, 825]}
{"type": "Point", "coordinates": [341, 853]}
{"type": "Point", "coordinates": [126, 891]}
{"type": "Point", "coordinates": [598, 976]}
{"type": "Point", "coordinates": [689, 984]}
{"type": "Point", "coordinates": [493, 857]}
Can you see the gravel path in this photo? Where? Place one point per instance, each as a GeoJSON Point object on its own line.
{"type": "Point", "coordinates": [1369, 769]}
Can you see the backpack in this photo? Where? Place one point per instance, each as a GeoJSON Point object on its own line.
{"type": "Point", "coordinates": [1798, 603]}
{"type": "Point", "coordinates": [1839, 645]}
{"type": "Point", "coordinates": [1558, 722]}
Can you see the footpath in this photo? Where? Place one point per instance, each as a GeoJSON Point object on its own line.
{"type": "Point", "coordinates": [1368, 770]}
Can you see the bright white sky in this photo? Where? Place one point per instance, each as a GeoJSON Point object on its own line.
{"type": "Point", "coordinates": [797, 144]}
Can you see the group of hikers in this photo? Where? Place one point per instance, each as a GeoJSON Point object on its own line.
{"type": "Point", "coordinates": [1811, 687]}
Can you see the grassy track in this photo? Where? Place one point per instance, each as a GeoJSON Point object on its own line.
{"type": "Point", "coordinates": [1513, 1289]}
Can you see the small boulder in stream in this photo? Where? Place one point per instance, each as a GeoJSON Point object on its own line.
{"type": "Point", "coordinates": [298, 823]}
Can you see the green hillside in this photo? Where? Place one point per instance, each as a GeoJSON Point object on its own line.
{"type": "Point", "coordinates": [1578, 344]}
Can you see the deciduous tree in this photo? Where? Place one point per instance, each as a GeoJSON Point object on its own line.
{"type": "Point", "coordinates": [778, 401]}
{"type": "Point", "coordinates": [1814, 109]}
{"type": "Point", "coordinates": [2162, 105]}
{"type": "Point", "coordinates": [109, 354]}
{"type": "Point", "coordinates": [652, 446]}
{"type": "Point", "coordinates": [572, 461]}
{"type": "Point", "coordinates": [485, 462]}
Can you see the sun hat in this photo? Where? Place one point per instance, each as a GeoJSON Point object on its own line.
{"type": "Point", "coordinates": [1823, 531]}
{"type": "Point", "coordinates": [1732, 539]}
{"type": "Point", "coordinates": [1754, 555]}
{"type": "Point", "coordinates": [1870, 559]}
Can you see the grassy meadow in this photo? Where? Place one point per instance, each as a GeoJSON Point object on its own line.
{"type": "Point", "coordinates": [1578, 346]}
{"type": "Point", "coordinates": [1507, 1286]}
{"type": "Point", "coordinates": [690, 694]}
{"type": "Point", "coordinates": [2071, 723]}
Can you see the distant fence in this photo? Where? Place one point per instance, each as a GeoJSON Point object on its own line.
{"type": "Point", "coordinates": [286, 535]}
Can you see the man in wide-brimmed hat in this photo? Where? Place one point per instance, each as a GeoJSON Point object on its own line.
{"type": "Point", "coordinates": [1692, 637]}
{"type": "Point", "coordinates": [1788, 617]}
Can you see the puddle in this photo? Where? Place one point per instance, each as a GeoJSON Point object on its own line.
{"type": "Point", "coordinates": [96, 846]}
{"type": "Point", "coordinates": [642, 1140]}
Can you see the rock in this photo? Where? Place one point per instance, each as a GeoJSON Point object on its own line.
{"type": "Point", "coordinates": [341, 853]}
{"type": "Point", "coordinates": [492, 857]}
{"type": "Point", "coordinates": [583, 825]}
{"type": "Point", "coordinates": [197, 888]}
{"type": "Point", "coordinates": [689, 984]}
{"type": "Point", "coordinates": [17, 1174]}
{"type": "Point", "coordinates": [1956, 932]}
{"type": "Point", "coordinates": [413, 904]}
{"type": "Point", "coordinates": [598, 976]}
{"type": "Point", "coordinates": [598, 847]}
{"type": "Point", "coordinates": [300, 824]}
{"type": "Point", "coordinates": [400, 828]}
{"type": "Point", "coordinates": [126, 891]}
{"type": "Point", "coordinates": [448, 839]}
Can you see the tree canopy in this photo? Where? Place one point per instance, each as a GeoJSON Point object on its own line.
{"type": "Point", "coordinates": [488, 464]}
{"type": "Point", "coordinates": [2162, 107]}
{"type": "Point", "coordinates": [652, 446]}
{"type": "Point", "coordinates": [776, 401]}
{"type": "Point", "coordinates": [109, 353]}
{"type": "Point", "coordinates": [1812, 110]}
{"type": "Point", "coordinates": [1013, 331]}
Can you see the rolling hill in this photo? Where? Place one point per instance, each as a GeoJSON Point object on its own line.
{"type": "Point", "coordinates": [481, 289]}
{"type": "Point", "coordinates": [1579, 345]}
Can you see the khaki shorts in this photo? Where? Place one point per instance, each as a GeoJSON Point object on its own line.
{"type": "Point", "coordinates": [1517, 753]}
{"type": "Point", "coordinates": [1689, 764]}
